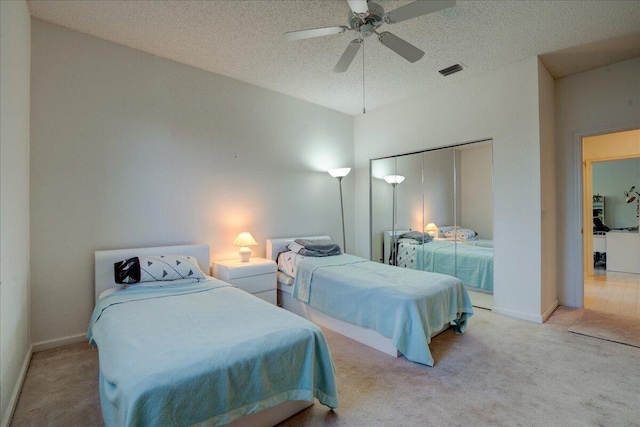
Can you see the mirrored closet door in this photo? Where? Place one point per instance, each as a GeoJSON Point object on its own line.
{"type": "Point", "coordinates": [433, 211]}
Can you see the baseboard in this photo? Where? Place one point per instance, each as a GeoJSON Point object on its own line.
{"type": "Point", "coordinates": [549, 310]}
{"type": "Point", "coordinates": [58, 342]}
{"type": "Point", "coordinates": [6, 420]}
{"type": "Point", "coordinates": [537, 318]}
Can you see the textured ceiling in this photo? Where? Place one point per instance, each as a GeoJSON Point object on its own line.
{"type": "Point", "coordinates": [244, 40]}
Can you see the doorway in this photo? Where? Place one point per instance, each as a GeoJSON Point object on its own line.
{"type": "Point", "coordinates": [611, 219]}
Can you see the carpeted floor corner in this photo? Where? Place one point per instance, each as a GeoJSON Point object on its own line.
{"type": "Point", "coordinates": [501, 372]}
{"type": "Point", "coordinates": [61, 389]}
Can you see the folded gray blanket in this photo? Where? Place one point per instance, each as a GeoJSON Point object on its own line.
{"type": "Point", "coordinates": [317, 248]}
{"type": "Point", "coordinates": [417, 235]}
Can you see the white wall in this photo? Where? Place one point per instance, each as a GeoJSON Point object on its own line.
{"type": "Point", "coordinates": [502, 105]}
{"type": "Point", "coordinates": [611, 180]}
{"type": "Point", "coordinates": [132, 150]}
{"type": "Point", "coordinates": [15, 50]}
{"type": "Point", "coordinates": [603, 100]}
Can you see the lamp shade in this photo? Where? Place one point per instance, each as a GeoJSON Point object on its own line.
{"type": "Point", "coordinates": [339, 172]}
{"type": "Point", "coordinates": [394, 179]}
{"type": "Point", "coordinates": [245, 239]}
{"type": "Point", "coordinates": [431, 229]}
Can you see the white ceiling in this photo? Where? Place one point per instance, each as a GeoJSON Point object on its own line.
{"type": "Point", "coordinates": [244, 40]}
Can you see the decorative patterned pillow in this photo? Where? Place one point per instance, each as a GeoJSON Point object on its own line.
{"type": "Point", "coordinates": [461, 234]}
{"type": "Point", "coordinates": [157, 268]}
{"type": "Point", "coordinates": [442, 230]}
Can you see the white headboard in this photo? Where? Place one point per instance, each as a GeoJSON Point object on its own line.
{"type": "Point", "coordinates": [275, 246]}
{"type": "Point", "coordinates": [104, 261]}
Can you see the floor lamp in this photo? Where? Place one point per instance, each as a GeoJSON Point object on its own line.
{"type": "Point", "coordinates": [394, 180]}
{"type": "Point", "coordinates": [341, 173]}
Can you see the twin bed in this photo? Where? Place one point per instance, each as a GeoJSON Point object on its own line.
{"type": "Point", "coordinates": [394, 310]}
{"type": "Point", "coordinates": [201, 352]}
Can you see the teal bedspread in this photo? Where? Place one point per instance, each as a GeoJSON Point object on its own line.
{"type": "Point", "coordinates": [404, 305]}
{"type": "Point", "coordinates": [473, 265]}
{"type": "Point", "coordinates": [203, 353]}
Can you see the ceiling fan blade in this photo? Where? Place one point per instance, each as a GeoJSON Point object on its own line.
{"type": "Point", "coordinates": [347, 57]}
{"type": "Point", "coordinates": [359, 7]}
{"type": "Point", "coordinates": [401, 47]}
{"type": "Point", "coordinates": [314, 32]}
{"type": "Point", "coordinates": [415, 9]}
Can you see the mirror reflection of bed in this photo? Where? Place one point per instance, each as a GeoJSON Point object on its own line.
{"type": "Point", "coordinates": [445, 200]}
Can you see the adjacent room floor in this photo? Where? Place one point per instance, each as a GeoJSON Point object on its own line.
{"type": "Point", "coordinates": [613, 292]}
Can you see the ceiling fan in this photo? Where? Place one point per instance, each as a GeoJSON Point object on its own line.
{"type": "Point", "coordinates": [365, 18]}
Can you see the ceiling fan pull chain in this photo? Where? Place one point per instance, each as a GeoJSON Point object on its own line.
{"type": "Point", "coordinates": [364, 109]}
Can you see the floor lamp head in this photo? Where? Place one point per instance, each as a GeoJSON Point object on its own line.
{"type": "Point", "coordinates": [341, 173]}
{"type": "Point", "coordinates": [394, 179]}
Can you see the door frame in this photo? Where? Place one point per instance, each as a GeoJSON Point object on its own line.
{"type": "Point", "coordinates": [584, 238]}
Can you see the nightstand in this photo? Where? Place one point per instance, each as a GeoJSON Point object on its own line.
{"type": "Point", "coordinates": [257, 276]}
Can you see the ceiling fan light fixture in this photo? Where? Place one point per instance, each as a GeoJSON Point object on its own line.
{"type": "Point", "coordinates": [359, 7]}
{"type": "Point", "coordinates": [451, 70]}
{"type": "Point", "coordinates": [365, 17]}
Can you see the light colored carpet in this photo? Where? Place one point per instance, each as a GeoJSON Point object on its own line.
{"type": "Point", "coordinates": [502, 372]}
{"type": "Point", "coordinates": [610, 327]}
{"type": "Point", "coordinates": [61, 389]}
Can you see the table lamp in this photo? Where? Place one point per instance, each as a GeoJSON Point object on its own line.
{"type": "Point", "coordinates": [243, 240]}
{"type": "Point", "coordinates": [431, 229]}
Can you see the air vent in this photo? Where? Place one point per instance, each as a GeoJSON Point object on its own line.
{"type": "Point", "coordinates": [450, 70]}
